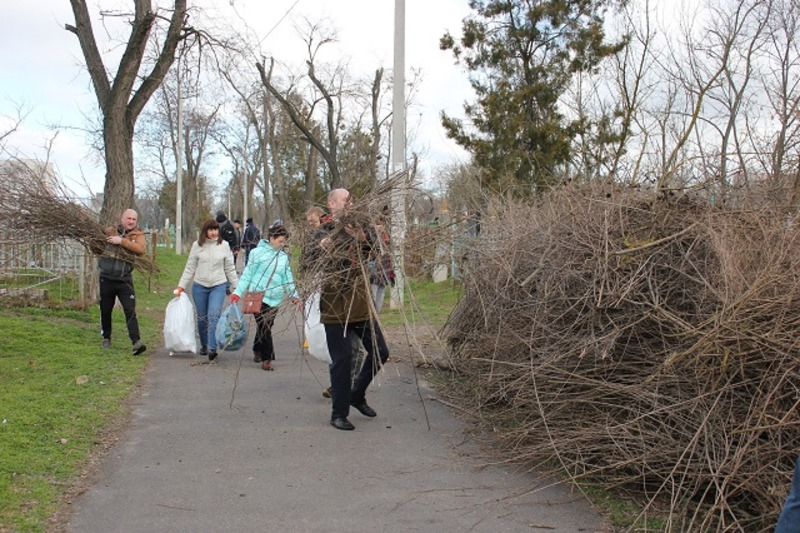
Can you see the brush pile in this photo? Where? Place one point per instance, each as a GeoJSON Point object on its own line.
{"type": "Point", "coordinates": [37, 210]}
{"type": "Point", "coordinates": [641, 343]}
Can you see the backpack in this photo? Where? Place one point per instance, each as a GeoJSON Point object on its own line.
{"type": "Point", "coordinates": [228, 233]}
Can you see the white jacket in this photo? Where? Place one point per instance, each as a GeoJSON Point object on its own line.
{"type": "Point", "coordinates": [209, 265]}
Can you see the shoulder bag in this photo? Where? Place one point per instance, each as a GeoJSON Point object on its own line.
{"type": "Point", "coordinates": [251, 303]}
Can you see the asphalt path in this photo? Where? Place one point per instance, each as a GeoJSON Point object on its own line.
{"type": "Point", "coordinates": [225, 446]}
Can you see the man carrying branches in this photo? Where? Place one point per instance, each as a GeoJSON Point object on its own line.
{"type": "Point", "coordinates": [343, 248]}
{"type": "Point", "coordinates": [123, 243]}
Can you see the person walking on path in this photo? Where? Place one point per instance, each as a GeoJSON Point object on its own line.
{"type": "Point", "coordinates": [268, 271]}
{"type": "Point", "coordinates": [226, 230]}
{"type": "Point", "coordinates": [250, 239]}
{"type": "Point", "coordinates": [237, 247]}
{"type": "Point", "coordinates": [344, 248]}
{"type": "Point", "coordinates": [123, 242]}
{"type": "Point", "coordinates": [211, 268]}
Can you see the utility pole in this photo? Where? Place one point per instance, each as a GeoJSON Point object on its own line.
{"type": "Point", "coordinates": [398, 228]}
{"type": "Point", "coordinates": [179, 170]}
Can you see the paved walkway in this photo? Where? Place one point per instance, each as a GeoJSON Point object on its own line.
{"type": "Point", "coordinates": [228, 447]}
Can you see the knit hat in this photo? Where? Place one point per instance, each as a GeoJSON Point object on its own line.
{"type": "Point", "coordinates": [221, 217]}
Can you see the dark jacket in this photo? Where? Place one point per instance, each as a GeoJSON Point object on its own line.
{"type": "Point", "coordinates": [251, 236]}
{"type": "Point", "coordinates": [228, 233]}
{"type": "Point", "coordinates": [345, 294]}
{"type": "Point", "coordinates": [117, 261]}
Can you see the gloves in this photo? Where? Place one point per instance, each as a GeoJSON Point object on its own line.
{"type": "Point", "coordinates": [178, 291]}
{"type": "Point", "coordinates": [234, 298]}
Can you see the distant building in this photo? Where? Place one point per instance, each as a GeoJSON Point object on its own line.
{"type": "Point", "coordinates": [17, 170]}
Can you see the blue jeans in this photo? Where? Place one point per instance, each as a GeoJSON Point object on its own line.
{"type": "Point", "coordinates": [208, 303]}
{"type": "Point", "coordinates": [789, 521]}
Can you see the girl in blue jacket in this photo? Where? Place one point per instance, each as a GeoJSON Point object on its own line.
{"type": "Point", "coordinates": [267, 270]}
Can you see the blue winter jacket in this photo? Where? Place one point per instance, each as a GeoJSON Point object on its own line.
{"type": "Point", "coordinates": [268, 270]}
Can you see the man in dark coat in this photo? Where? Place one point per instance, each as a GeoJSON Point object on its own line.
{"type": "Point", "coordinates": [344, 249]}
{"type": "Point", "coordinates": [250, 239]}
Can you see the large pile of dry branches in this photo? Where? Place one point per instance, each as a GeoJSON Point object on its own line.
{"type": "Point", "coordinates": [643, 343]}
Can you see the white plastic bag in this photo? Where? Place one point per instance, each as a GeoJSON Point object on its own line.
{"type": "Point", "coordinates": [179, 325]}
{"type": "Point", "coordinates": [315, 332]}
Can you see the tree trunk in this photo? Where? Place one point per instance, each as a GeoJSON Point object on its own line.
{"type": "Point", "coordinates": [311, 172]}
{"type": "Point", "coordinates": [119, 102]}
{"type": "Point", "coordinates": [118, 190]}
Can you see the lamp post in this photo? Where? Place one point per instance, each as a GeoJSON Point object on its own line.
{"type": "Point", "coordinates": [399, 152]}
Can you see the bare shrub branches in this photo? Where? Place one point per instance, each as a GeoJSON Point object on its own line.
{"type": "Point", "coordinates": [36, 207]}
{"type": "Point", "coordinates": [648, 344]}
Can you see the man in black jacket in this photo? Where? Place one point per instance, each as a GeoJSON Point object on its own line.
{"type": "Point", "coordinates": [252, 235]}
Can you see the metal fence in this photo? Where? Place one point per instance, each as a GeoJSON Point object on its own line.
{"type": "Point", "coordinates": [27, 267]}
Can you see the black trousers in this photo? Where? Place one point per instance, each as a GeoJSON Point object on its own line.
{"type": "Point", "coordinates": [110, 290]}
{"type": "Point", "coordinates": [340, 347]}
{"type": "Point", "coordinates": [262, 344]}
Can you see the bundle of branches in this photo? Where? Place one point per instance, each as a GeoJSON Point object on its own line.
{"type": "Point", "coordinates": [37, 207]}
{"type": "Point", "coordinates": [641, 343]}
{"type": "Point", "coordinates": [357, 238]}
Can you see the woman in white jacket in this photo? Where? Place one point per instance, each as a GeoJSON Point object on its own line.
{"type": "Point", "coordinates": [211, 267]}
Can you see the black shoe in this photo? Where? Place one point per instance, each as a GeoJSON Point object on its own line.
{"type": "Point", "coordinates": [212, 355]}
{"type": "Point", "coordinates": [342, 423]}
{"type": "Point", "coordinates": [203, 351]}
{"type": "Point", "coordinates": [138, 347]}
{"type": "Point", "coordinates": [365, 409]}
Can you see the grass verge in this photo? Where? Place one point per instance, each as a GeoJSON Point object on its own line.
{"type": "Point", "coordinates": [59, 392]}
{"type": "Point", "coordinates": [424, 302]}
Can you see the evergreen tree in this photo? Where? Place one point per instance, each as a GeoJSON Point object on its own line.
{"type": "Point", "coordinates": [521, 56]}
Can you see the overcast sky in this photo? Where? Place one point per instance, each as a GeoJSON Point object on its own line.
{"type": "Point", "coordinates": [42, 70]}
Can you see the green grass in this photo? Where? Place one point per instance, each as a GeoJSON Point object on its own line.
{"type": "Point", "coordinates": [624, 513]}
{"type": "Point", "coordinates": [59, 391]}
{"type": "Point", "coordinates": [423, 302]}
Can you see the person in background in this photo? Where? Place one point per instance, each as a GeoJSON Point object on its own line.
{"type": "Point", "coordinates": [381, 271]}
{"type": "Point", "coordinates": [789, 520]}
{"type": "Point", "coordinates": [226, 230]}
{"type": "Point", "coordinates": [237, 226]}
{"type": "Point", "coordinates": [314, 217]}
{"type": "Point", "coordinates": [250, 239]}
{"type": "Point", "coordinates": [211, 268]}
{"type": "Point", "coordinates": [345, 310]}
{"type": "Point", "coordinates": [268, 270]}
{"type": "Point", "coordinates": [123, 242]}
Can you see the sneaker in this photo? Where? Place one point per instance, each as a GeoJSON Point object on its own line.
{"type": "Point", "coordinates": [138, 347]}
{"type": "Point", "coordinates": [212, 355]}
{"type": "Point", "coordinates": [203, 351]}
{"type": "Point", "coordinates": [106, 344]}
{"type": "Point", "coordinates": [326, 393]}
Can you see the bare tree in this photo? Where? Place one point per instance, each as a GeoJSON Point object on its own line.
{"type": "Point", "coordinates": [782, 87]}
{"type": "Point", "coordinates": [327, 148]}
{"type": "Point", "coordinates": [119, 101]}
{"type": "Point", "coordinates": [158, 137]}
